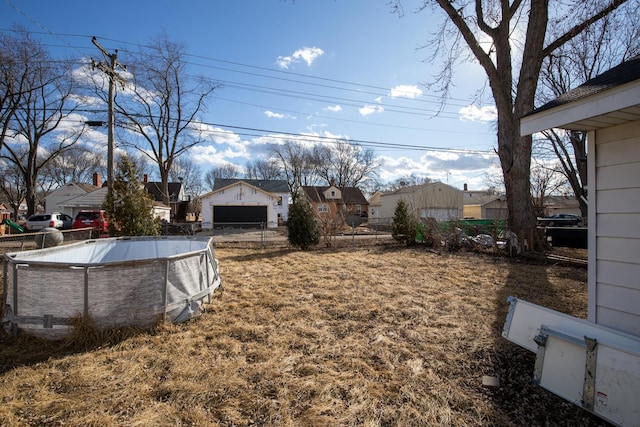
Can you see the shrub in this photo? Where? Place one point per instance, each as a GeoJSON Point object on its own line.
{"type": "Point", "coordinates": [302, 227]}
{"type": "Point", "coordinates": [403, 227]}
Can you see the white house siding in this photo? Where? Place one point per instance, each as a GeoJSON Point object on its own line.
{"type": "Point", "coordinates": [53, 202]}
{"type": "Point", "coordinates": [615, 292]}
{"type": "Point", "coordinates": [241, 194]}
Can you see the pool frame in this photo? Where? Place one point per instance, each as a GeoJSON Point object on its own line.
{"type": "Point", "coordinates": [181, 298]}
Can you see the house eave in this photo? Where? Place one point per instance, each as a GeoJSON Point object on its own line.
{"type": "Point", "coordinates": [609, 108]}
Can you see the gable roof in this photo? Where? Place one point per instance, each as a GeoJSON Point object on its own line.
{"type": "Point", "coordinates": [350, 195]}
{"type": "Point", "coordinates": [154, 189]}
{"type": "Point", "coordinates": [482, 199]}
{"type": "Point", "coordinates": [410, 189]}
{"type": "Point", "coordinates": [608, 99]}
{"type": "Point", "coordinates": [93, 199]}
{"type": "Point", "coordinates": [268, 185]}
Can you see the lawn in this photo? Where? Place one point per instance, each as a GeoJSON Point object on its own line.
{"type": "Point", "coordinates": [368, 336]}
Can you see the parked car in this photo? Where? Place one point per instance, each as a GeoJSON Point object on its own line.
{"type": "Point", "coordinates": [95, 219]}
{"type": "Point", "coordinates": [560, 220]}
{"type": "Point", "coordinates": [48, 220]}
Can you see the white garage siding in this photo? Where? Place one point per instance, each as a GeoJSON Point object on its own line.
{"type": "Point", "coordinates": [614, 297]}
{"type": "Point", "coordinates": [238, 195]}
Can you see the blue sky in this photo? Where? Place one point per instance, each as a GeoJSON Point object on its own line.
{"type": "Point", "coordinates": [344, 68]}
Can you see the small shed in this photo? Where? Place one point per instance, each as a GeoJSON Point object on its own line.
{"type": "Point", "coordinates": [596, 363]}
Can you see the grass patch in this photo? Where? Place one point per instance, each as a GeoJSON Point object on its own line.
{"type": "Point", "coordinates": [377, 336]}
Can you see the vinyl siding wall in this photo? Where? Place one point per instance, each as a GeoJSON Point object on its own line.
{"type": "Point", "coordinates": [614, 279]}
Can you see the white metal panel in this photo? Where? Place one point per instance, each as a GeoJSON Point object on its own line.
{"type": "Point", "coordinates": [563, 368]}
{"type": "Point", "coordinates": [562, 364]}
{"type": "Point", "coordinates": [616, 392]}
{"type": "Point", "coordinates": [525, 319]}
{"type": "Point", "coordinates": [617, 386]}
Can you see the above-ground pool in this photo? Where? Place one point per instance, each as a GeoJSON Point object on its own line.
{"type": "Point", "coordinates": [125, 281]}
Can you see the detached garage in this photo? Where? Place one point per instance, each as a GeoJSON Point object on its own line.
{"type": "Point", "coordinates": [245, 203]}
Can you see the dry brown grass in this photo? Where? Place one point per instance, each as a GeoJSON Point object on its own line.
{"type": "Point", "coordinates": [378, 336]}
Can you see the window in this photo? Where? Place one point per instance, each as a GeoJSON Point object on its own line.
{"type": "Point", "coordinates": [323, 208]}
{"type": "Point", "coordinates": [333, 193]}
{"type": "Point", "coordinates": [358, 209]}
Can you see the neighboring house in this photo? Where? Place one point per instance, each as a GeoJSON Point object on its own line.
{"type": "Point", "coordinates": [68, 191]}
{"type": "Point", "coordinates": [178, 202]}
{"type": "Point", "coordinates": [88, 201]}
{"type": "Point", "coordinates": [484, 205]}
{"type": "Point", "coordinates": [561, 205]}
{"type": "Point", "coordinates": [88, 197]}
{"type": "Point", "coordinates": [431, 200]}
{"type": "Point", "coordinates": [339, 204]}
{"type": "Point", "coordinates": [596, 364]}
{"type": "Point", "coordinates": [245, 201]}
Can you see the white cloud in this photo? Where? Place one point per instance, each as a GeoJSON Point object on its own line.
{"type": "Point", "coordinates": [306, 54]}
{"type": "Point", "coordinates": [472, 113]}
{"type": "Point", "coordinates": [370, 109]}
{"type": "Point", "coordinates": [333, 108]}
{"type": "Point", "coordinates": [453, 168]}
{"type": "Point", "coordinates": [405, 91]}
{"type": "Point", "coordinates": [273, 115]}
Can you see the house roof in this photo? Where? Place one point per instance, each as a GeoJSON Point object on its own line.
{"type": "Point", "coordinates": [268, 185]}
{"type": "Point", "coordinates": [481, 199]}
{"type": "Point", "coordinates": [93, 199]}
{"type": "Point", "coordinates": [155, 190]}
{"type": "Point", "coordinates": [350, 195]}
{"type": "Point", "coordinates": [609, 99]}
{"type": "Point", "coordinates": [409, 189]}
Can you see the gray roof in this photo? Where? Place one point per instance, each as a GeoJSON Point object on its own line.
{"type": "Point", "coordinates": [626, 72]}
{"type": "Point", "coordinates": [482, 199]}
{"type": "Point", "coordinates": [93, 199]}
{"type": "Point", "coordinates": [270, 186]}
{"type": "Point", "coordinates": [350, 195]}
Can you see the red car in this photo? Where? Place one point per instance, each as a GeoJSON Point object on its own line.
{"type": "Point", "coordinates": [91, 219]}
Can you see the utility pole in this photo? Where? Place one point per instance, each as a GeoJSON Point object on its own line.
{"type": "Point", "coordinates": [110, 70]}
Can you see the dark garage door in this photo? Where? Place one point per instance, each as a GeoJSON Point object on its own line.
{"type": "Point", "coordinates": [248, 215]}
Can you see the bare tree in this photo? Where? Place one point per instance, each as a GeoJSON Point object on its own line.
{"type": "Point", "coordinates": [406, 181]}
{"type": "Point", "coordinates": [263, 169]}
{"type": "Point", "coordinates": [546, 180]}
{"type": "Point", "coordinates": [606, 43]}
{"type": "Point", "coordinates": [184, 170]}
{"type": "Point", "coordinates": [348, 164]}
{"type": "Point", "coordinates": [485, 31]}
{"type": "Point", "coordinates": [12, 187]}
{"type": "Point", "coordinates": [162, 104]}
{"type": "Point", "coordinates": [299, 163]}
{"type": "Point", "coordinates": [228, 171]}
{"type": "Point", "coordinates": [77, 164]}
{"type": "Point", "coordinates": [40, 105]}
